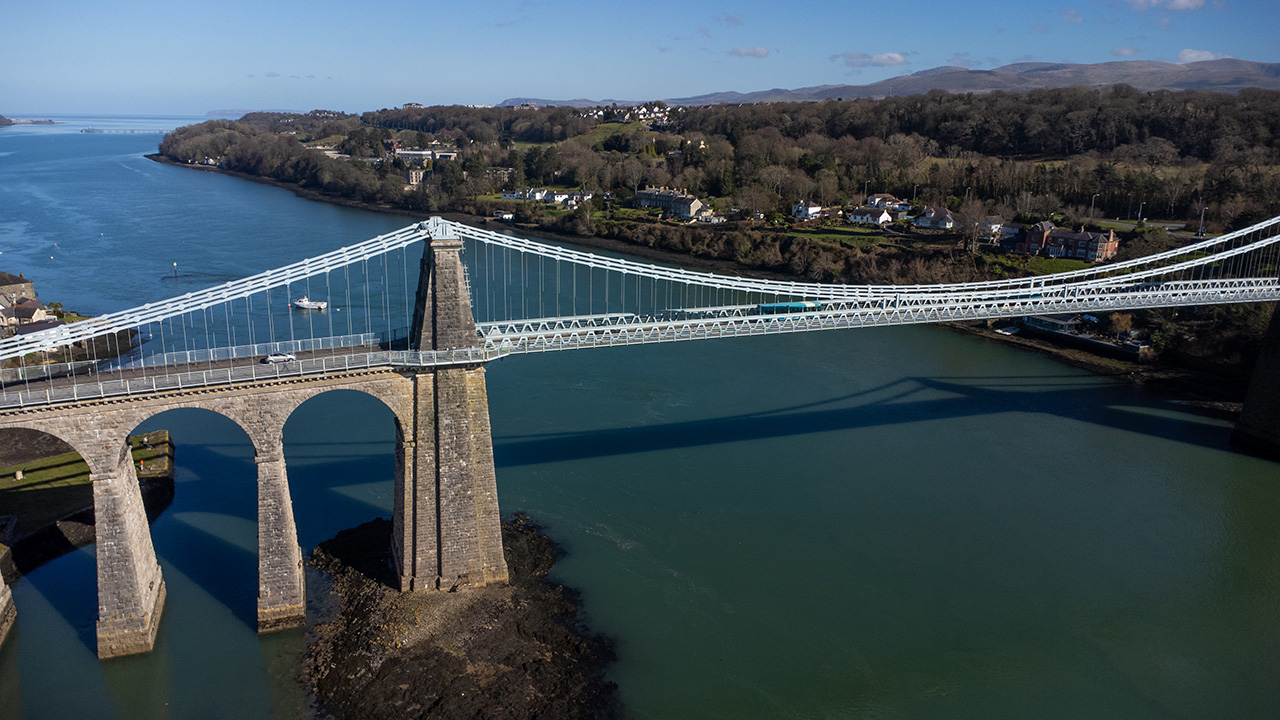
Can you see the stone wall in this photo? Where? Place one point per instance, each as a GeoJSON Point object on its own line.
{"type": "Point", "coordinates": [8, 614]}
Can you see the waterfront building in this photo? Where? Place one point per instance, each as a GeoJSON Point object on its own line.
{"type": "Point", "coordinates": [676, 203]}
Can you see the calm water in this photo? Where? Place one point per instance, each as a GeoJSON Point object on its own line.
{"type": "Point", "coordinates": [891, 523]}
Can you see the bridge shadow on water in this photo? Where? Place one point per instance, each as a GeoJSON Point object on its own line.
{"type": "Point", "coordinates": [904, 401]}
{"type": "Point", "coordinates": [208, 534]}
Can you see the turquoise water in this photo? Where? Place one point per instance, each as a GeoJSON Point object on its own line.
{"type": "Point", "coordinates": [888, 523]}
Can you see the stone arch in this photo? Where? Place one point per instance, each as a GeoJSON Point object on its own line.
{"type": "Point", "coordinates": [344, 450]}
{"type": "Point", "coordinates": [42, 443]}
{"type": "Point", "coordinates": [209, 535]}
{"type": "Point", "coordinates": [445, 519]}
{"type": "Point", "coordinates": [131, 589]}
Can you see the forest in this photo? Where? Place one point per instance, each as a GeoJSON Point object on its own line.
{"type": "Point", "coordinates": [1074, 151]}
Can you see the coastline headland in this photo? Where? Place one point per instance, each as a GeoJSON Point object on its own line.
{"type": "Point", "coordinates": [6, 121]}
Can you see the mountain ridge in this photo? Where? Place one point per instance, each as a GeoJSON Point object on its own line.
{"type": "Point", "coordinates": [1229, 75]}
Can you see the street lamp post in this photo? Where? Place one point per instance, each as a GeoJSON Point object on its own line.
{"type": "Point", "coordinates": [1140, 206]}
{"type": "Point", "coordinates": [913, 191]}
{"type": "Point", "coordinates": [865, 183]}
{"type": "Point", "coordinates": [1095, 197]}
{"type": "Point", "coordinates": [1202, 208]}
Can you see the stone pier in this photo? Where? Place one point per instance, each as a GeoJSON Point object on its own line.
{"type": "Point", "coordinates": [281, 588]}
{"type": "Point", "coordinates": [1259, 427]}
{"type": "Point", "coordinates": [130, 589]}
{"type": "Point", "coordinates": [8, 614]}
{"type": "Point", "coordinates": [446, 524]}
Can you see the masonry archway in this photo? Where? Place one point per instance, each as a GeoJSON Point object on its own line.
{"type": "Point", "coordinates": [340, 448]}
{"type": "Point", "coordinates": [46, 502]}
{"type": "Point", "coordinates": [42, 480]}
{"type": "Point", "coordinates": [206, 540]}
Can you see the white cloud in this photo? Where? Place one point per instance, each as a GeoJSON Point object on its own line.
{"type": "Point", "coordinates": [1072, 16]}
{"type": "Point", "coordinates": [753, 52]}
{"type": "Point", "coordinates": [1165, 4]}
{"type": "Point", "coordinates": [861, 59]}
{"type": "Point", "coordinates": [1124, 51]}
{"type": "Point", "coordinates": [1190, 56]}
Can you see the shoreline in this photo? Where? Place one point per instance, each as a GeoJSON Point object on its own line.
{"type": "Point", "coordinates": [1209, 392]}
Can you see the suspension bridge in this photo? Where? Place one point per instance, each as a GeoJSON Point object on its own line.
{"type": "Point", "coordinates": [413, 317]}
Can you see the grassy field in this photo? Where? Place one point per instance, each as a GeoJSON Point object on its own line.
{"type": "Point", "coordinates": [604, 131]}
{"type": "Point", "coordinates": [1037, 265]}
{"type": "Point", "coordinates": [624, 213]}
{"type": "Point", "coordinates": [848, 236]}
{"type": "Point", "coordinates": [52, 488]}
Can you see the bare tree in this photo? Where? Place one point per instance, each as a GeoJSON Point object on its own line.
{"type": "Point", "coordinates": [1119, 324]}
{"type": "Point", "coordinates": [969, 221]}
{"type": "Point", "coordinates": [632, 173]}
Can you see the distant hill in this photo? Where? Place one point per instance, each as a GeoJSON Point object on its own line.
{"type": "Point", "coordinates": [1227, 75]}
{"type": "Point", "coordinates": [233, 114]}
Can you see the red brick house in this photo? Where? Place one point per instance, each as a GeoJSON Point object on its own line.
{"type": "Point", "coordinates": [1045, 239]}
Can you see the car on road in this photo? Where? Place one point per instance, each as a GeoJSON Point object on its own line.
{"type": "Point", "coordinates": [279, 357]}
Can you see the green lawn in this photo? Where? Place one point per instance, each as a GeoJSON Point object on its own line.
{"type": "Point", "coordinates": [606, 130]}
{"type": "Point", "coordinates": [1048, 266]}
{"type": "Point", "coordinates": [624, 213]}
{"type": "Point", "coordinates": [55, 487]}
{"type": "Point", "coordinates": [1037, 265]}
{"type": "Point", "coordinates": [849, 236]}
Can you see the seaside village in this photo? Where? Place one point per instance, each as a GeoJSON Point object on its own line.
{"type": "Point", "coordinates": [879, 210]}
{"type": "Point", "coordinates": [20, 311]}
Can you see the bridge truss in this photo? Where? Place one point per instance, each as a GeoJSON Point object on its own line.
{"type": "Point", "coordinates": [532, 296]}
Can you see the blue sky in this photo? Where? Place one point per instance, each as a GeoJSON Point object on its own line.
{"type": "Point", "coordinates": [143, 56]}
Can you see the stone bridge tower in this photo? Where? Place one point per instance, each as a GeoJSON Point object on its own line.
{"type": "Point", "coordinates": [446, 529]}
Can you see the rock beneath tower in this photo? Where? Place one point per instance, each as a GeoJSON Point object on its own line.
{"type": "Point", "coordinates": [505, 650]}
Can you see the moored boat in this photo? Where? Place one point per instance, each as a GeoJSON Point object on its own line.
{"type": "Point", "coordinates": [307, 303]}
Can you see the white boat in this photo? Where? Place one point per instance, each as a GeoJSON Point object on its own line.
{"type": "Point", "coordinates": [308, 304]}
